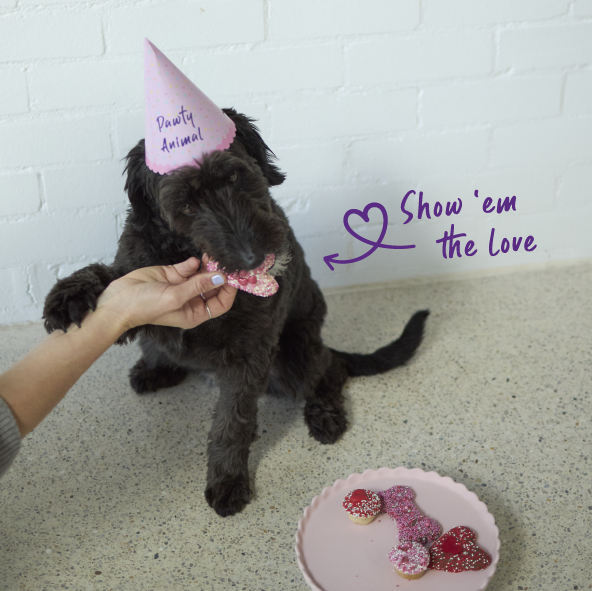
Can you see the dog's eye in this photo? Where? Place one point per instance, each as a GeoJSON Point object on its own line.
{"type": "Point", "coordinates": [232, 178]}
{"type": "Point", "coordinates": [188, 209]}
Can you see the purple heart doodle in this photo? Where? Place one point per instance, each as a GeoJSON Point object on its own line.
{"type": "Point", "coordinates": [364, 215]}
{"type": "Point", "coordinates": [378, 244]}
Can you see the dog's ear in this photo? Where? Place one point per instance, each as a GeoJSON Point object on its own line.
{"type": "Point", "coordinates": [136, 185]}
{"type": "Point", "coordinates": [249, 136]}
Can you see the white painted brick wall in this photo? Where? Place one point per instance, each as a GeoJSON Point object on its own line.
{"type": "Point", "coordinates": [534, 185]}
{"type": "Point", "coordinates": [45, 2]}
{"type": "Point", "coordinates": [583, 7]}
{"type": "Point", "coordinates": [269, 70]}
{"type": "Point", "coordinates": [360, 100]}
{"type": "Point", "coordinates": [479, 12]}
{"type": "Point", "coordinates": [551, 140]}
{"type": "Point", "coordinates": [305, 205]}
{"type": "Point", "coordinates": [309, 165]}
{"type": "Point", "coordinates": [19, 194]}
{"type": "Point", "coordinates": [330, 18]}
{"type": "Point", "coordinates": [57, 237]}
{"type": "Point", "coordinates": [14, 90]}
{"type": "Point", "coordinates": [338, 116]}
{"type": "Point", "coordinates": [421, 56]}
{"type": "Point", "coordinates": [129, 130]}
{"type": "Point", "coordinates": [419, 154]}
{"type": "Point", "coordinates": [84, 185]}
{"type": "Point", "coordinates": [185, 25]}
{"type": "Point", "coordinates": [31, 36]}
{"type": "Point", "coordinates": [8, 292]}
{"type": "Point", "coordinates": [97, 84]}
{"type": "Point", "coordinates": [52, 140]}
{"type": "Point", "coordinates": [578, 93]}
{"type": "Point", "coordinates": [41, 279]}
{"type": "Point", "coordinates": [546, 46]}
{"type": "Point", "coordinates": [576, 188]}
{"type": "Point", "coordinates": [492, 101]}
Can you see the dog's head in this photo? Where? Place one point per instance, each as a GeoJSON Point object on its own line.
{"type": "Point", "coordinates": [223, 206]}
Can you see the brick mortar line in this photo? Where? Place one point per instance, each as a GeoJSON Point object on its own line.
{"type": "Point", "coordinates": [81, 212]}
{"type": "Point", "coordinates": [343, 90]}
{"type": "Point", "coordinates": [271, 45]}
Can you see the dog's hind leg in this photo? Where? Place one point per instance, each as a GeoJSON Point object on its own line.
{"type": "Point", "coordinates": [154, 370]}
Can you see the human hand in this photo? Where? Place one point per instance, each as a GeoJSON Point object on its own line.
{"type": "Point", "coordinates": [167, 296]}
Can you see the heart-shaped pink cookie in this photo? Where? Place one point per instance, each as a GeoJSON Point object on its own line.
{"type": "Point", "coordinates": [457, 551]}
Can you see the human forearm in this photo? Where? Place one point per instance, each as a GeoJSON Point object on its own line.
{"type": "Point", "coordinates": [35, 385]}
{"type": "Point", "coordinates": [167, 296]}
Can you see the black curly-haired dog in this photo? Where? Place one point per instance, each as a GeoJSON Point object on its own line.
{"type": "Point", "coordinates": [262, 344]}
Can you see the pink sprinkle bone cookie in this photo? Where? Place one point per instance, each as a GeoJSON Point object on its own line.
{"type": "Point", "coordinates": [410, 560]}
{"type": "Point", "coordinates": [362, 505]}
{"type": "Point", "coordinates": [413, 526]}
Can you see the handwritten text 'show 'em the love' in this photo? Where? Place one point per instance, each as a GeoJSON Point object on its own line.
{"type": "Point", "coordinates": [451, 241]}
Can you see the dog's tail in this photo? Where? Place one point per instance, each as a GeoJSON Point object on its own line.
{"type": "Point", "coordinates": [396, 353]}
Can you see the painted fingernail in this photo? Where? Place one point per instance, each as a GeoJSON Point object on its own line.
{"type": "Point", "coordinates": [217, 280]}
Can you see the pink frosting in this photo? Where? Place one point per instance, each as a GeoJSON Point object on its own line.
{"type": "Point", "coordinates": [410, 558]}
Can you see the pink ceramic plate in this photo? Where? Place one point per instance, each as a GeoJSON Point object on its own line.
{"type": "Point", "coordinates": [335, 554]}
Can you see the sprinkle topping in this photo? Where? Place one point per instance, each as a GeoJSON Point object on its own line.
{"type": "Point", "coordinates": [413, 526]}
{"type": "Point", "coordinates": [362, 503]}
{"type": "Point", "coordinates": [457, 551]}
{"type": "Point", "coordinates": [410, 558]}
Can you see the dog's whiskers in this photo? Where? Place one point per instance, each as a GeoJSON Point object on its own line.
{"type": "Point", "coordinates": [281, 263]}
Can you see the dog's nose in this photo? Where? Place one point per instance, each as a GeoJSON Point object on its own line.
{"type": "Point", "coordinates": [251, 259]}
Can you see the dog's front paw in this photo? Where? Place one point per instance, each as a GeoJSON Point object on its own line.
{"type": "Point", "coordinates": [71, 298]}
{"type": "Point", "coordinates": [229, 495]}
{"type": "Point", "coordinates": [65, 306]}
{"type": "Point", "coordinates": [326, 423]}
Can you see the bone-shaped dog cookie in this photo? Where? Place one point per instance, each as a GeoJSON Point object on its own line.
{"type": "Point", "coordinates": [413, 526]}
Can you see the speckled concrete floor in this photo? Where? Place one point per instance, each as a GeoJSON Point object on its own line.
{"type": "Point", "coordinates": [108, 492]}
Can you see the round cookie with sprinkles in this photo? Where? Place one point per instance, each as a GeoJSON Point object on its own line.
{"type": "Point", "coordinates": [362, 505]}
{"type": "Point", "coordinates": [457, 551]}
{"type": "Point", "coordinates": [410, 560]}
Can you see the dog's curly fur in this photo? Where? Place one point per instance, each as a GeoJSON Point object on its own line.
{"type": "Point", "coordinates": [224, 208]}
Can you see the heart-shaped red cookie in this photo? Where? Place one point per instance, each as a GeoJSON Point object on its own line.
{"type": "Point", "coordinates": [457, 551]}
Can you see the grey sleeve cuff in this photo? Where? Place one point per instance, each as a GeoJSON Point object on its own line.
{"type": "Point", "coordinates": [10, 438]}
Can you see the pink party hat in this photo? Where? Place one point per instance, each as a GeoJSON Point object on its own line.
{"type": "Point", "coordinates": [182, 123]}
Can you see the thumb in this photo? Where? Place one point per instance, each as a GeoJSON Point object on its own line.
{"type": "Point", "coordinates": [188, 267]}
